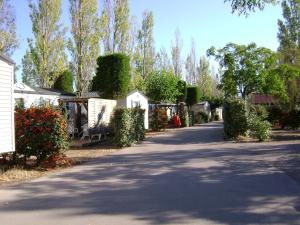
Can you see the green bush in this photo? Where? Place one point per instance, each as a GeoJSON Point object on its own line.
{"type": "Point", "coordinates": [112, 79]}
{"type": "Point", "coordinates": [127, 126]}
{"type": "Point", "coordinates": [64, 82]}
{"type": "Point", "coordinates": [235, 118]}
{"type": "Point", "coordinates": [40, 132]}
{"type": "Point", "coordinates": [159, 120]}
{"type": "Point", "coordinates": [192, 96]}
{"type": "Point", "coordinates": [216, 117]}
{"type": "Point", "coordinates": [191, 118]}
{"type": "Point", "coordinates": [291, 120]}
{"type": "Point", "coordinates": [181, 86]}
{"type": "Point", "coordinates": [258, 127]}
{"type": "Point", "coordinates": [202, 117]}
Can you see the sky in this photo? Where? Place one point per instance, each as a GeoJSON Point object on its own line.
{"type": "Point", "coordinates": [208, 22]}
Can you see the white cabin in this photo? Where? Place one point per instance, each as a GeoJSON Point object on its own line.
{"type": "Point", "coordinates": [136, 98]}
{"type": "Point", "coordinates": [34, 96]}
{"type": "Point", "coordinates": [7, 130]}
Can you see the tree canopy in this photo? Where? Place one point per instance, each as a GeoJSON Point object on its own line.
{"type": "Point", "coordinates": [243, 67]}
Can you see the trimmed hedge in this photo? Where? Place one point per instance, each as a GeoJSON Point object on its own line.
{"type": "Point", "coordinates": [235, 118]}
{"type": "Point", "coordinates": [181, 85]}
{"type": "Point", "coordinates": [40, 132]}
{"type": "Point", "coordinates": [127, 126]}
{"type": "Point", "coordinates": [112, 79]}
{"type": "Point", "coordinates": [64, 82]}
{"type": "Point", "coordinates": [192, 96]}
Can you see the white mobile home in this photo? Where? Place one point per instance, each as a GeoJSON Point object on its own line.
{"type": "Point", "coordinates": [136, 98]}
{"type": "Point", "coordinates": [7, 131]}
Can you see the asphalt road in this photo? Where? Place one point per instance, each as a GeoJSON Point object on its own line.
{"type": "Point", "coordinates": [187, 176]}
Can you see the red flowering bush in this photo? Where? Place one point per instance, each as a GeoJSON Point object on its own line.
{"type": "Point", "coordinates": [40, 132]}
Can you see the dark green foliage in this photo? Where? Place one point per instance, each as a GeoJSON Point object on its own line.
{"type": "Point", "coordinates": [191, 118]}
{"type": "Point", "coordinates": [216, 117]}
{"type": "Point", "coordinates": [275, 114]}
{"type": "Point", "coordinates": [235, 118]}
{"type": "Point", "coordinates": [112, 79]}
{"type": "Point", "coordinates": [64, 82]}
{"type": "Point", "coordinates": [127, 126]}
{"type": "Point", "coordinates": [193, 95]}
{"type": "Point", "coordinates": [161, 86]}
{"type": "Point", "coordinates": [159, 120]}
{"type": "Point", "coordinates": [291, 120]}
{"type": "Point", "coordinates": [202, 117]}
{"type": "Point", "coordinates": [181, 86]}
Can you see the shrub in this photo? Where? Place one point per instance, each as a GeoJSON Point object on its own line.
{"type": "Point", "coordinates": [181, 86]}
{"type": "Point", "coordinates": [64, 82]}
{"type": "Point", "coordinates": [159, 120]}
{"type": "Point", "coordinates": [235, 118]}
{"type": "Point", "coordinates": [191, 118]}
{"type": "Point", "coordinates": [291, 120]}
{"type": "Point", "coordinates": [40, 132]}
{"type": "Point", "coordinates": [258, 127]}
{"type": "Point", "coordinates": [202, 117]}
{"type": "Point", "coordinates": [192, 96]}
{"type": "Point", "coordinates": [112, 78]}
{"type": "Point", "coordinates": [127, 126]}
{"type": "Point", "coordinates": [216, 117]}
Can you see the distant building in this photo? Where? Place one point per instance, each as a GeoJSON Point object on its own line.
{"type": "Point", "coordinates": [28, 96]}
{"type": "Point", "coordinates": [263, 99]}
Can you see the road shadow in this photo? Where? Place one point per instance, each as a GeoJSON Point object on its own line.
{"type": "Point", "coordinates": [224, 184]}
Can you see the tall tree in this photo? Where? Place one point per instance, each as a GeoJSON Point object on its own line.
{"type": "Point", "coordinates": [191, 65]}
{"type": "Point", "coordinates": [289, 32]}
{"type": "Point", "coordinates": [205, 80]}
{"type": "Point", "coordinates": [146, 45]}
{"type": "Point", "coordinates": [247, 6]}
{"type": "Point", "coordinates": [116, 26]}
{"type": "Point", "coordinates": [8, 40]}
{"type": "Point", "coordinates": [29, 73]}
{"type": "Point", "coordinates": [244, 67]}
{"type": "Point", "coordinates": [84, 45]}
{"type": "Point", "coordinates": [162, 61]}
{"type": "Point", "coordinates": [47, 49]}
{"type": "Point", "coordinates": [176, 54]}
{"type": "Point", "coordinates": [289, 45]}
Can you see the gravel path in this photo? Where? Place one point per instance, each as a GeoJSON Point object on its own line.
{"type": "Point", "coordinates": [187, 176]}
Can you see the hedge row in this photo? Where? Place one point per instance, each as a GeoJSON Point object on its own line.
{"type": "Point", "coordinates": [127, 126]}
{"type": "Point", "coordinates": [241, 119]}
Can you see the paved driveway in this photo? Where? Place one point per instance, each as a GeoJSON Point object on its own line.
{"type": "Point", "coordinates": [188, 176]}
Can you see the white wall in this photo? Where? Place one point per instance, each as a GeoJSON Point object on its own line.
{"type": "Point", "coordinates": [100, 108]}
{"type": "Point", "coordinates": [136, 98]}
{"type": "Point", "coordinates": [7, 133]}
{"type": "Point", "coordinates": [36, 99]}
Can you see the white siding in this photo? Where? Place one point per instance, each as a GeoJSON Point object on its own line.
{"type": "Point", "coordinates": [7, 133]}
{"type": "Point", "coordinates": [136, 98]}
{"type": "Point", "coordinates": [100, 109]}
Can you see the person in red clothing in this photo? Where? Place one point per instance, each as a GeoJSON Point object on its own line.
{"type": "Point", "coordinates": [176, 120]}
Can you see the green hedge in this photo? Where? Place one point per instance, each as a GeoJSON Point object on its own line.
{"type": "Point", "coordinates": [64, 82]}
{"type": "Point", "coordinates": [235, 118]}
{"type": "Point", "coordinates": [192, 96]}
{"type": "Point", "coordinates": [127, 126]}
{"type": "Point", "coordinates": [112, 79]}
